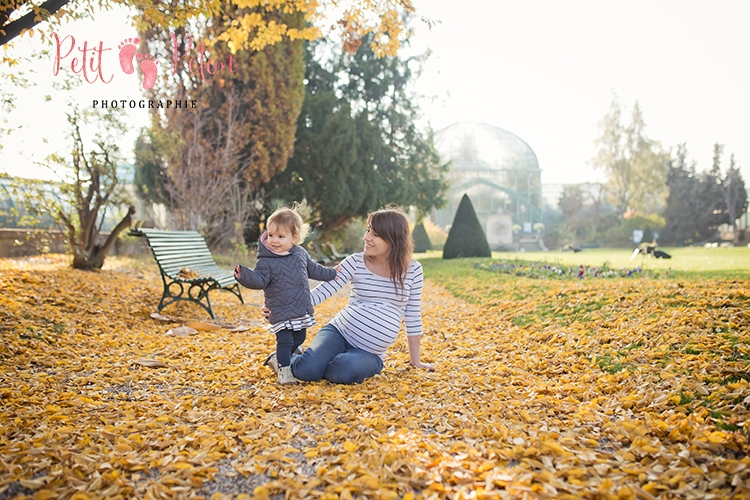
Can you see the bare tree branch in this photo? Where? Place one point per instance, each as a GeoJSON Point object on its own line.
{"type": "Point", "coordinates": [10, 30]}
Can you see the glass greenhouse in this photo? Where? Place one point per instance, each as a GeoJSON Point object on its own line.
{"type": "Point", "coordinates": [500, 174]}
{"type": "Point", "coordinates": [15, 193]}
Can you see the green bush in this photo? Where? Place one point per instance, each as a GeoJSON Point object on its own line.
{"type": "Point", "coordinates": [466, 237]}
{"type": "Point", "coordinates": [421, 239]}
{"type": "Point", "coordinates": [622, 235]}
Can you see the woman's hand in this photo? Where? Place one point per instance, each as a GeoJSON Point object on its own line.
{"type": "Point", "coordinates": [424, 366]}
{"type": "Point", "coordinates": [414, 357]}
{"type": "Point", "coordinates": [266, 312]}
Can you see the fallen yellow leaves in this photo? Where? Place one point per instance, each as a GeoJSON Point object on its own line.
{"type": "Point", "coordinates": [188, 274]}
{"type": "Point", "coordinates": [568, 390]}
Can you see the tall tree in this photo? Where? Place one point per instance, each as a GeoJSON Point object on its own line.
{"type": "Point", "coordinates": [735, 196]}
{"type": "Point", "coordinates": [571, 204]}
{"type": "Point", "coordinates": [240, 135]}
{"type": "Point", "coordinates": [581, 206]}
{"type": "Point", "coordinates": [150, 178]}
{"type": "Point", "coordinates": [714, 211]}
{"type": "Point", "coordinates": [733, 193]}
{"type": "Point", "coordinates": [571, 200]}
{"type": "Point", "coordinates": [699, 202]}
{"type": "Point", "coordinates": [358, 146]}
{"type": "Point", "coordinates": [636, 166]}
{"type": "Point", "coordinates": [683, 203]}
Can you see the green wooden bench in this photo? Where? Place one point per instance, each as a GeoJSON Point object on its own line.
{"type": "Point", "coordinates": [188, 269]}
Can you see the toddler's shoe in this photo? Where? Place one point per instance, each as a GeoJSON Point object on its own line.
{"type": "Point", "coordinates": [271, 363]}
{"type": "Point", "coordinates": [284, 375]}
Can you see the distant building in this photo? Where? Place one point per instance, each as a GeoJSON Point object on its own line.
{"type": "Point", "coordinates": [500, 173]}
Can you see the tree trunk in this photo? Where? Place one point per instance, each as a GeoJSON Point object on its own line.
{"type": "Point", "coordinates": [95, 259]}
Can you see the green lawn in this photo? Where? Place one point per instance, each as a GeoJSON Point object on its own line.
{"type": "Point", "coordinates": [687, 262]}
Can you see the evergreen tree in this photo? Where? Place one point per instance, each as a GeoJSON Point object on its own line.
{"type": "Point", "coordinates": [699, 202]}
{"type": "Point", "coordinates": [682, 209]}
{"type": "Point", "coordinates": [325, 168]}
{"type": "Point", "coordinates": [466, 237]}
{"type": "Point", "coordinates": [421, 239]}
{"type": "Point", "coordinates": [150, 169]}
{"type": "Point", "coordinates": [735, 196]}
{"type": "Point", "coordinates": [730, 188]}
{"type": "Point", "coordinates": [357, 146]}
{"type": "Point", "coordinates": [713, 207]}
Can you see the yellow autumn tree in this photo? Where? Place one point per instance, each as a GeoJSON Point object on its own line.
{"type": "Point", "coordinates": [254, 23]}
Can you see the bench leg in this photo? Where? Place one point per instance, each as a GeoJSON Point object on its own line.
{"type": "Point", "coordinates": [175, 291]}
{"type": "Point", "coordinates": [235, 289]}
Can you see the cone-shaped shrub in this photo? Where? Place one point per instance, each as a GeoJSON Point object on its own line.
{"type": "Point", "coordinates": [466, 237]}
{"type": "Point", "coordinates": [421, 239]}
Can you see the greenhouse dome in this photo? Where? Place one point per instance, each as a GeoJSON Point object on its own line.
{"type": "Point", "coordinates": [500, 173]}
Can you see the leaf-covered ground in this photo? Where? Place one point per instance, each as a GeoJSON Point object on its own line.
{"type": "Point", "coordinates": [597, 388]}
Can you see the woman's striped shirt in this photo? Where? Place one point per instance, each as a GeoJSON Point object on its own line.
{"type": "Point", "coordinates": [372, 318]}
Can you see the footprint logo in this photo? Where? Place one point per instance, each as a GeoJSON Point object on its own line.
{"type": "Point", "coordinates": [148, 66]}
{"type": "Point", "coordinates": [128, 48]}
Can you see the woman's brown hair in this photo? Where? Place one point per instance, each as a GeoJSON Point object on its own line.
{"type": "Point", "coordinates": [392, 226]}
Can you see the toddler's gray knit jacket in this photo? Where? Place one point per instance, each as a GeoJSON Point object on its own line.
{"type": "Point", "coordinates": [283, 278]}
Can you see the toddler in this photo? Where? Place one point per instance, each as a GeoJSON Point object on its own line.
{"type": "Point", "coordinates": [282, 272]}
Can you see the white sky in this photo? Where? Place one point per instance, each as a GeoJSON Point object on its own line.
{"type": "Point", "coordinates": [42, 122]}
{"type": "Point", "coordinates": [545, 70]}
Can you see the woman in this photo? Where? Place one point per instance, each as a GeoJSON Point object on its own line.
{"type": "Point", "coordinates": [386, 288]}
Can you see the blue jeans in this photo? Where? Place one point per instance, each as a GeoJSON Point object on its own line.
{"type": "Point", "coordinates": [330, 357]}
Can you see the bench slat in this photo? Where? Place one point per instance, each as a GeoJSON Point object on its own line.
{"type": "Point", "coordinates": [163, 233]}
{"type": "Point", "coordinates": [183, 256]}
{"type": "Point", "coordinates": [177, 244]}
{"type": "Point", "coordinates": [204, 270]}
{"type": "Point", "coordinates": [166, 241]}
{"type": "Point", "coordinates": [179, 250]}
{"type": "Point", "coordinates": [193, 263]}
{"type": "Point", "coordinates": [182, 249]}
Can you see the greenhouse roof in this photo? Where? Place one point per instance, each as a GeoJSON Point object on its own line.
{"type": "Point", "coordinates": [481, 147]}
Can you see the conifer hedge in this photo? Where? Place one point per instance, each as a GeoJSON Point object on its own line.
{"type": "Point", "coordinates": [466, 237]}
{"type": "Point", "coordinates": [421, 239]}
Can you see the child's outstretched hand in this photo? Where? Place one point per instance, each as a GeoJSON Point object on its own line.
{"type": "Point", "coordinates": [338, 272]}
{"type": "Point", "coordinates": [237, 272]}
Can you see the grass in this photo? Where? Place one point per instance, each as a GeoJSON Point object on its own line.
{"type": "Point", "coordinates": [686, 263]}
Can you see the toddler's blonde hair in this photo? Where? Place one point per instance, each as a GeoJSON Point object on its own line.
{"type": "Point", "coordinates": [290, 219]}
